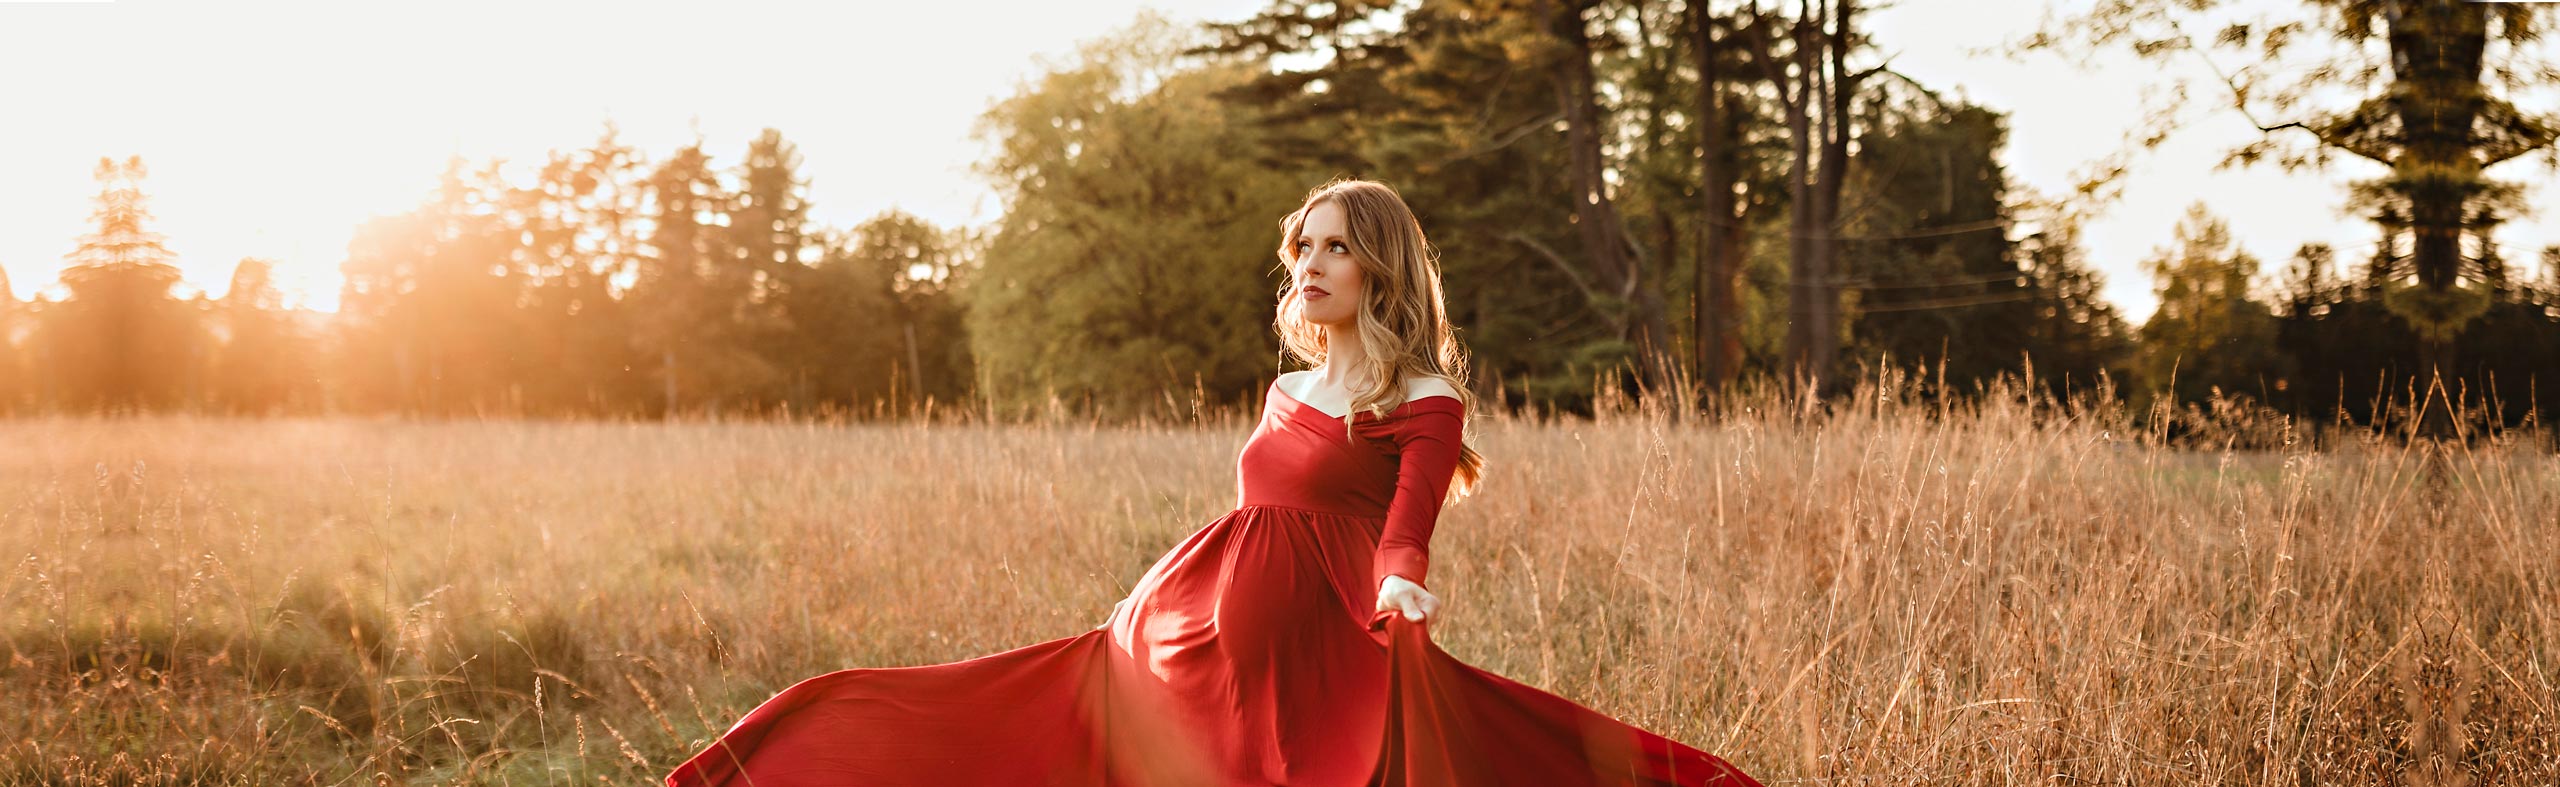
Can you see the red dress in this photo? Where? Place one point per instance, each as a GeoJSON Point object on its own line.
{"type": "Point", "coordinates": [1250, 654]}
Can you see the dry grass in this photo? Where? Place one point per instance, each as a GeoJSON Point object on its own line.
{"type": "Point", "coordinates": [1899, 591]}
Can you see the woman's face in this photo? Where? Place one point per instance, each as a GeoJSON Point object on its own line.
{"type": "Point", "coordinates": [1325, 273]}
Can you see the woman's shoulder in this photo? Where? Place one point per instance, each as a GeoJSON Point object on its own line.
{"type": "Point", "coordinates": [1415, 387]}
{"type": "Point", "coordinates": [1422, 390]}
{"type": "Point", "coordinates": [1420, 387]}
{"type": "Point", "coordinates": [1426, 397]}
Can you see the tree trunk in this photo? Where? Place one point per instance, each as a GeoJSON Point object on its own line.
{"type": "Point", "coordinates": [2436, 51]}
{"type": "Point", "coordinates": [1604, 237]}
{"type": "Point", "coordinates": [1831, 174]}
{"type": "Point", "coordinates": [1716, 312]}
{"type": "Point", "coordinates": [667, 377]}
{"type": "Point", "coordinates": [1805, 283]}
{"type": "Point", "coordinates": [1817, 99]}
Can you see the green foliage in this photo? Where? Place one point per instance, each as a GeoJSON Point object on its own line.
{"type": "Point", "coordinates": [429, 304]}
{"type": "Point", "coordinates": [2209, 332]}
{"type": "Point", "coordinates": [1936, 281]}
{"type": "Point", "coordinates": [864, 317]}
{"type": "Point", "coordinates": [2436, 315]}
{"type": "Point", "coordinates": [693, 329]}
{"type": "Point", "coordinates": [2358, 351]}
{"type": "Point", "coordinates": [1136, 252]}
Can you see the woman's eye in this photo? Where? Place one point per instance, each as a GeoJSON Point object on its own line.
{"type": "Point", "coordinates": [1338, 249]}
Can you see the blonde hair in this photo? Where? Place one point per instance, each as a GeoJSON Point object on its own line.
{"type": "Point", "coordinates": [1402, 317]}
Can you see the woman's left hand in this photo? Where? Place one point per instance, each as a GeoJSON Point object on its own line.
{"type": "Point", "coordinates": [1397, 594]}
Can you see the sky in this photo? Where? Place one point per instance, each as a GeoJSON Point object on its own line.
{"type": "Point", "coordinates": [273, 129]}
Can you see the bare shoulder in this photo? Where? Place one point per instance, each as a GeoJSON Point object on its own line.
{"type": "Point", "coordinates": [1419, 387]}
{"type": "Point", "coordinates": [1294, 383]}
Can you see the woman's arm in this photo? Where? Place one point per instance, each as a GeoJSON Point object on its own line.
{"type": "Point", "coordinates": [1427, 460]}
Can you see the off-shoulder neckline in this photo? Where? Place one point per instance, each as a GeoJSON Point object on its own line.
{"type": "Point", "coordinates": [1284, 395]}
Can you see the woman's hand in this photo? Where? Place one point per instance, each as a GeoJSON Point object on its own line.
{"type": "Point", "coordinates": [1397, 594]}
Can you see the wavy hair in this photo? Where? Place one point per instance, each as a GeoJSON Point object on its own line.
{"type": "Point", "coordinates": [1402, 318]}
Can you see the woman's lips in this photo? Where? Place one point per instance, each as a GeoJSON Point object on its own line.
{"type": "Point", "coordinates": [1315, 292]}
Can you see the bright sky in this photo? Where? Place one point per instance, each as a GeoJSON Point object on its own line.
{"type": "Point", "coordinates": [274, 128]}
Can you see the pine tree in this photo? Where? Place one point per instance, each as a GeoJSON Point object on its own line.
{"type": "Point", "coordinates": [773, 241]}
{"type": "Point", "coordinates": [574, 227]}
{"type": "Point", "coordinates": [122, 339]}
{"type": "Point", "coordinates": [2210, 331]}
{"type": "Point", "coordinates": [429, 304]}
{"type": "Point", "coordinates": [264, 363]}
{"type": "Point", "coordinates": [695, 320]}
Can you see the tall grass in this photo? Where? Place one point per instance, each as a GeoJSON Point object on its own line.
{"type": "Point", "coordinates": [1904, 586]}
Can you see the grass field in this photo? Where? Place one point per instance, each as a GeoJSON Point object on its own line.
{"type": "Point", "coordinates": [1900, 592]}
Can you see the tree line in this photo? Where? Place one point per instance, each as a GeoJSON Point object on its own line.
{"type": "Point", "coordinates": [608, 285]}
{"type": "Point", "coordinates": [1684, 191]}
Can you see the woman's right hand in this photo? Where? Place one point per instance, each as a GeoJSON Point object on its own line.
{"type": "Point", "coordinates": [1398, 594]}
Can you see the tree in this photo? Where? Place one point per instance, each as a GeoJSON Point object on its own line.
{"type": "Point", "coordinates": [1724, 114]}
{"type": "Point", "coordinates": [429, 304]}
{"type": "Point", "coordinates": [1937, 279]}
{"type": "Point", "coordinates": [2073, 334]}
{"type": "Point", "coordinates": [921, 268]}
{"type": "Point", "coordinates": [14, 387]}
{"type": "Point", "coordinates": [2209, 333]}
{"type": "Point", "coordinates": [2436, 111]}
{"type": "Point", "coordinates": [1462, 106]}
{"type": "Point", "coordinates": [1815, 88]}
{"type": "Point", "coordinates": [695, 318]}
{"type": "Point", "coordinates": [857, 313]}
{"type": "Point", "coordinates": [576, 246]}
{"type": "Point", "coordinates": [772, 240]}
{"type": "Point", "coordinates": [1468, 136]}
{"type": "Point", "coordinates": [264, 363]}
{"type": "Point", "coordinates": [1616, 266]}
{"type": "Point", "coordinates": [121, 340]}
{"type": "Point", "coordinates": [2355, 354]}
{"type": "Point", "coordinates": [1136, 255]}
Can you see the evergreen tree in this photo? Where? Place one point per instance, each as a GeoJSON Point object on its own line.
{"type": "Point", "coordinates": [429, 304]}
{"type": "Point", "coordinates": [122, 339]}
{"type": "Point", "coordinates": [1932, 274]}
{"type": "Point", "coordinates": [773, 241]}
{"type": "Point", "coordinates": [574, 228]}
{"type": "Point", "coordinates": [695, 321]}
{"type": "Point", "coordinates": [2073, 335]}
{"type": "Point", "coordinates": [264, 363]}
{"type": "Point", "coordinates": [2209, 332]}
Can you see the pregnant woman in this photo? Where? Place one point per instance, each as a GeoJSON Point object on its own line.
{"type": "Point", "coordinates": [1285, 643]}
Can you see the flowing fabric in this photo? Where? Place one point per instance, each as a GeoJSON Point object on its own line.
{"type": "Point", "coordinates": [1249, 654]}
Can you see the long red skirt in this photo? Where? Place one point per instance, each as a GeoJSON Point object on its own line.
{"type": "Point", "coordinates": [1249, 655]}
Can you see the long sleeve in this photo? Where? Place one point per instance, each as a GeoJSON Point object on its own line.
{"type": "Point", "coordinates": [1427, 460]}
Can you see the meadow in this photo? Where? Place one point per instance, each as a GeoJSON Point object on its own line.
{"type": "Point", "coordinates": [1898, 588]}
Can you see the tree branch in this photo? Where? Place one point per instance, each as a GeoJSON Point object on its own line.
{"type": "Point", "coordinates": [1558, 260]}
